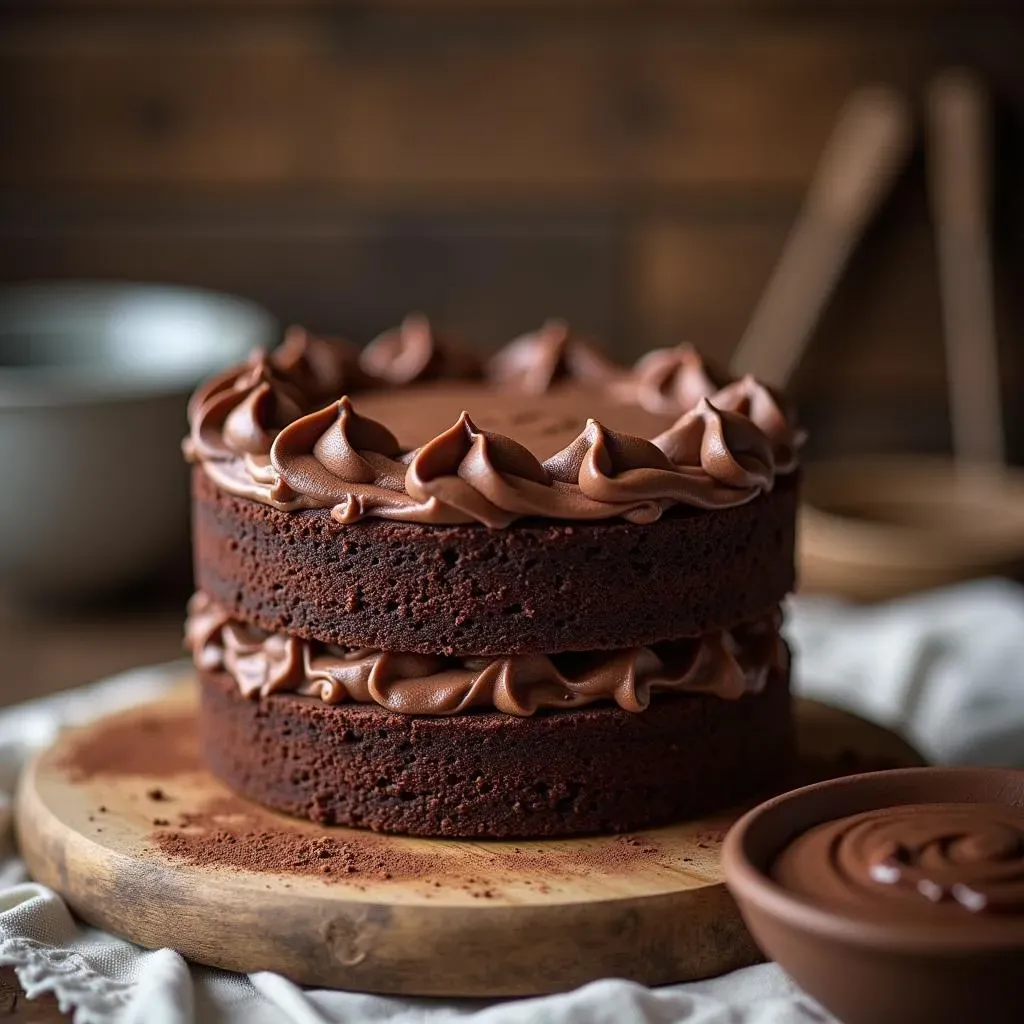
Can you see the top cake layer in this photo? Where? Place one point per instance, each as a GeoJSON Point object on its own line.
{"type": "Point", "coordinates": [409, 498]}
{"type": "Point", "coordinates": [548, 428]}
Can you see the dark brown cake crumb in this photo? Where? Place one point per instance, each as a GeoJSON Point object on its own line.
{"type": "Point", "coordinates": [467, 590]}
{"type": "Point", "coordinates": [156, 793]}
{"type": "Point", "coordinates": [595, 770]}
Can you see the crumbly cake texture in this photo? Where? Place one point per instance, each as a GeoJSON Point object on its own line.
{"type": "Point", "coordinates": [593, 770]}
{"type": "Point", "coordinates": [412, 501]}
{"type": "Point", "coordinates": [539, 586]}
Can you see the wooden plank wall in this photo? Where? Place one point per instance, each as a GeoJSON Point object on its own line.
{"type": "Point", "coordinates": [634, 166]}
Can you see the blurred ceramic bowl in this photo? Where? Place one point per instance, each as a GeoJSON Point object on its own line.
{"type": "Point", "coordinates": [94, 379]}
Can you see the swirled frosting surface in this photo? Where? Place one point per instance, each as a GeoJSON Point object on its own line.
{"type": "Point", "coordinates": [936, 861]}
{"type": "Point", "coordinates": [415, 429]}
{"type": "Point", "coordinates": [727, 664]}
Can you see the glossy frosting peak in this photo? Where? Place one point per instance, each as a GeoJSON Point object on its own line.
{"type": "Point", "coordinates": [555, 430]}
{"type": "Point", "coordinates": [533, 363]}
{"type": "Point", "coordinates": [727, 664]}
{"type": "Point", "coordinates": [412, 351]}
{"type": "Point", "coordinates": [672, 380]}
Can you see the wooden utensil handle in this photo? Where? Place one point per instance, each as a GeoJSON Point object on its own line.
{"type": "Point", "coordinates": [868, 147]}
{"type": "Point", "coordinates": [959, 177]}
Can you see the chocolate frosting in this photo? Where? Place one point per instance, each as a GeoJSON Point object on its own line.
{"type": "Point", "coordinates": [727, 664]}
{"type": "Point", "coordinates": [938, 862]}
{"type": "Point", "coordinates": [671, 380]}
{"type": "Point", "coordinates": [321, 368]}
{"type": "Point", "coordinates": [556, 431]}
{"type": "Point", "coordinates": [535, 362]}
{"type": "Point", "coordinates": [413, 351]}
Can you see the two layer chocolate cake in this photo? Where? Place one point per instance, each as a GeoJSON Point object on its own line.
{"type": "Point", "coordinates": [532, 596]}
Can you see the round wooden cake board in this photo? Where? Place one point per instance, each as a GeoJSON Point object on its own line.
{"type": "Point", "coordinates": [112, 816]}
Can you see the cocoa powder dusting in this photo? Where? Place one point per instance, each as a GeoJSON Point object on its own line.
{"type": "Point", "coordinates": [610, 855]}
{"type": "Point", "coordinates": [158, 746]}
{"type": "Point", "coordinates": [636, 844]}
{"type": "Point", "coordinates": [712, 837]}
{"type": "Point", "coordinates": [229, 833]}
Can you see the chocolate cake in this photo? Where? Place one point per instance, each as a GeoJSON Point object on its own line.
{"type": "Point", "coordinates": [537, 595]}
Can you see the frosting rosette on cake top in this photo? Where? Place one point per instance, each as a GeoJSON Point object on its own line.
{"type": "Point", "coordinates": [415, 429]}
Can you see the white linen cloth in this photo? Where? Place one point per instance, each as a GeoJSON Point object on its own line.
{"type": "Point", "coordinates": [945, 668]}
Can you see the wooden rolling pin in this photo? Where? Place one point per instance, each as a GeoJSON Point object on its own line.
{"type": "Point", "coordinates": [870, 144]}
{"type": "Point", "coordinates": [958, 178]}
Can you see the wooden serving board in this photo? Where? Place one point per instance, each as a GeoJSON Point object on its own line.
{"type": "Point", "coordinates": [107, 828]}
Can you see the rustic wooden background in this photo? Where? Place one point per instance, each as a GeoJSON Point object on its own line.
{"type": "Point", "coordinates": [631, 165]}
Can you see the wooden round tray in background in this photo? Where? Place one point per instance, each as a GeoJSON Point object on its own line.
{"type": "Point", "coordinates": [876, 528]}
{"type": "Point", "coordinates": [469, 918]}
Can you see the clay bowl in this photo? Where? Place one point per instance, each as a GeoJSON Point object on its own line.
{"type": "Point", "coordinates": [872, 972]}
{"type": "Point", "coordinates": [877, 528]}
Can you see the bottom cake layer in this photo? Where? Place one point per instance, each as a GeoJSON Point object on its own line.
{"type": "Point", "coordinates": [487, 774]}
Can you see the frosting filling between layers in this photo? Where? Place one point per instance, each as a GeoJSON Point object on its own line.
{"type": "Point", "coordinates": [724, 663]}
{"type": "Point", "coordinates": [411, 430]}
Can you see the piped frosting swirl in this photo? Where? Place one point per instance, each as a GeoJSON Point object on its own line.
{"type": "Point", "coordinates": [671, 380]}
{"type": "Point", "coordinates": [533, 363]}
{"type": "Point", "coordinates": [268, 432]}
{"type": "Point", "coordinates": [941, 862]}
{"type": "Point", "coordinates": [727, 664]}
{"type": "Point", "coordinates": [320, 368]}
{"type": "Point", "coordinates": [413, 351]}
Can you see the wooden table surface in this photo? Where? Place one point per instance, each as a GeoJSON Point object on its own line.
{"type": "Point", "coordinates": [16, 1008]}
{"type": "Point", "coordinates": [48, 649]}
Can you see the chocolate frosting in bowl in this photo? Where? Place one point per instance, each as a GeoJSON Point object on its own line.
{"type": "Point", "coordinates": [414, 429]}
{"type": "Point", "coordinates": [892, 896]}
{"type": "Point", "coordinates": [939, 862]}
{"type": "Point", "coordinates": [726, 664]}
